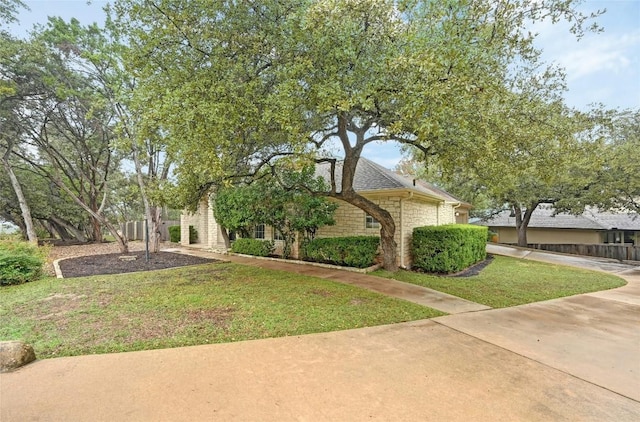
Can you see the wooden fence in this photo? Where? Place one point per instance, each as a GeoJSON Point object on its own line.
{"type": "Point", "coordinates": [134, 230]}
{"type": "Point", "coordinates": [613, 251]}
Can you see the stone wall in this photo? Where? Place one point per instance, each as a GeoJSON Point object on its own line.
{"type": "Point", "coordinates": [351, 220]}
{"type": "Point", "coordinates": [202, 220]}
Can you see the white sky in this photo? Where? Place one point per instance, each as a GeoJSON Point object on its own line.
{"type": "Point", "coordinates": [601, 68]}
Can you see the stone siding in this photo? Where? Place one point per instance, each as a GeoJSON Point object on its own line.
{"type": "Point", "coordinates": [203, 221]}
{"type": "Point", "coordinates": [420, 213]}
{"type": "Point", "coordinates": [351, 220]}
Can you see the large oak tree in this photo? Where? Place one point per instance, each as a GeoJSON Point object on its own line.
{"type": "Point", "coordinates": [238, 85]}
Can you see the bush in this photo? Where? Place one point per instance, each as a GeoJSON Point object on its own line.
{"type": "Point", "coordinates": [354, 251]}
{"type": "Point", "coordinates": [174, 234]}
{"type": "Point", "coordinates": [447, 249]}
{"type": "Point", "coordinates": [254, 247]}
{"type": "Point", "coordinates": [20, 262]}
{"type": "Point", "coordinates": [193, 235]}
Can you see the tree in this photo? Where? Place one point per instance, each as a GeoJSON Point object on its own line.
{"type": "Point", "coordinates": [616, 184]}
{"type": "Point", "coordinates": [541, 153]}
{"type": "Point", "coordinates": [624, 163]}
{"type": "Point", "coordinates": [241, 84]}
{"type": "Point", "coordinates": [50, 208]}
{"type": "Point", "coordinates": [14, 89]}
{"type": "Point", "coordinates": [268, 201]}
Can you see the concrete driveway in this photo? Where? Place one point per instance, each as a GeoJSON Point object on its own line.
{"type": "Point", "coordinates": [572, 359]}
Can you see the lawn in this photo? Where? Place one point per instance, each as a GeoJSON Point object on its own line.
{"type": "Point", "coordinates": [511, 281]}
{"type": "Point", "coordinates": [211, 303]}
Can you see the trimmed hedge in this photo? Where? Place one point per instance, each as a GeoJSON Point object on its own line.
{"type": "Point", "coordinates": [174, 234]}
{"type": "Point", "coordinates": [448, 249]}
{"type": "Point", "coordinates": [354, 251]}
{"type": "Point", "coordinates": [20, 262]}
{"type": "Point", "coordinates": [254, 247]}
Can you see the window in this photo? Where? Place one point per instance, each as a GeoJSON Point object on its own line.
{"type": "Point", "coordinates": [371, 223]}
{"type": "Point", "coordinates": [259, 231]}
{"type": "Point", "coordinates": [277, 235]}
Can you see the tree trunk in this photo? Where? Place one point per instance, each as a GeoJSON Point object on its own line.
{"type": "Point", "coordinates": [349, 195]}
{"type": "Point", "coordinates": [522, 221]}
{"type": "Point", "coordinates": [95, 230]}
{"type": "Point", "coordinates": [154, 218]}
{"type": "Point", "coordinates": [54, 230]}
{"type": "Point", "coordinates": [22, 200]}
{"type": "Point", "coordinates": [522, 236]}
{"type": "Point", "coordinates": [152, 213]}
{"type": "Point", "coordinates": [225, 237]}
{"type": "Point", "coordinates": [122, 242]}
{"type": "Point", "coordinates": [78, 234]}
{"type": "Point", "coordinates": [387, 227]}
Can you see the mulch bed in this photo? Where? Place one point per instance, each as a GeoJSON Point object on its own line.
{"type": "Point", "coordinates": [474, 269]}
{"type": "Point", "coordinates": [112, 264]}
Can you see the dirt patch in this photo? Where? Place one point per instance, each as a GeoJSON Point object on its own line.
{"type": "Point", "coordinates": [116, 263]}
{"type": "Point", "coordinates": [220, 317]}
{"type": "Point", "coordinates": [322, 293]}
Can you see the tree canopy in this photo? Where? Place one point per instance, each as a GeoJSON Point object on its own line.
{"type": "Point", "coordinates": [65, 112]}
{"type": "Point", "coordinates": [238, 85]}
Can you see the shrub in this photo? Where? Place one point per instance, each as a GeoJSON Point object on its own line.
{"type": "Point", "coordinates": [354, 251]}
{"type": "Point", "coordinates": [20, 262]}
{"type": "Point", "coordinates": [254, 247]}
{"type": "Point", "coordinates": [447, 249]}
{"type": "Point", "coordinates": [174, 234]}
{"type": "Point", "coordinates": [193, 234]}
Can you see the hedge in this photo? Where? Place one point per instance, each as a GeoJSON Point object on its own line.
{"type": "Point", "coordinates": [449, 248]}
{"type": "Point", "coordinates": [254, 247]}
{"type": "Point", "coordinates": [174, 234]}
{"type": "Point", "coordinates": [354, 251]}
{"type": "Point", "coordinates": [20, 262]}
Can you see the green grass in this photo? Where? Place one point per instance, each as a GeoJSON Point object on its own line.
{"type": "Point", "coordinates": [210, 303]}
{"type": "Point", "coordinates": [510, 281]}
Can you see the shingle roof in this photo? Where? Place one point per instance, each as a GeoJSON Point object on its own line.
{"type": "Point", "coordinates": [370, 177]}
{"type": "Point", "coordinates": [591, 219]}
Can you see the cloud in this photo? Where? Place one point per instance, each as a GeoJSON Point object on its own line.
{"type": "Point", "coordinates": [612, 54]}
{"type": "Point", "coordinates": [600, 67]}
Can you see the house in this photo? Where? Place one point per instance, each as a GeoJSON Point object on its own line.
{"type": "Point", "coordinates": [412, 203]}
{"type": "Point", "coordinates": [590, 227]}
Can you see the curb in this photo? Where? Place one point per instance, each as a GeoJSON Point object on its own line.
{"type": "Point", "coordinates": [56, 267]}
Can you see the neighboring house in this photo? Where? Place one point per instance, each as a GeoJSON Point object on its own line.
{"type": "Point", "coordinates": [591, 227]}
{"type": "Point", "coordinates": [412, 203]}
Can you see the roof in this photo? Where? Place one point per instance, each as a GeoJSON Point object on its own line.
{"type": "Point", "coordinates": [591, 219]}
{"type": "Point", "coordinates": [372, 177]}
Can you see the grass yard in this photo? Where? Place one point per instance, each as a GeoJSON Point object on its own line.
{"type": "Point", "coordinates": [202, 304]}
{"type": "Point", "coordinates": [511, 281]}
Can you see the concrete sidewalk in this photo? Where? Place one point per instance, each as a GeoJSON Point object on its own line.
{"type": "Point", "coordinates": [594, 336]}
{"type": "Point", "coordinates": [415, 371]}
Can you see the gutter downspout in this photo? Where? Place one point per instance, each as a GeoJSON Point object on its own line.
{"type": "Point", "coordinates": [455, 207]}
